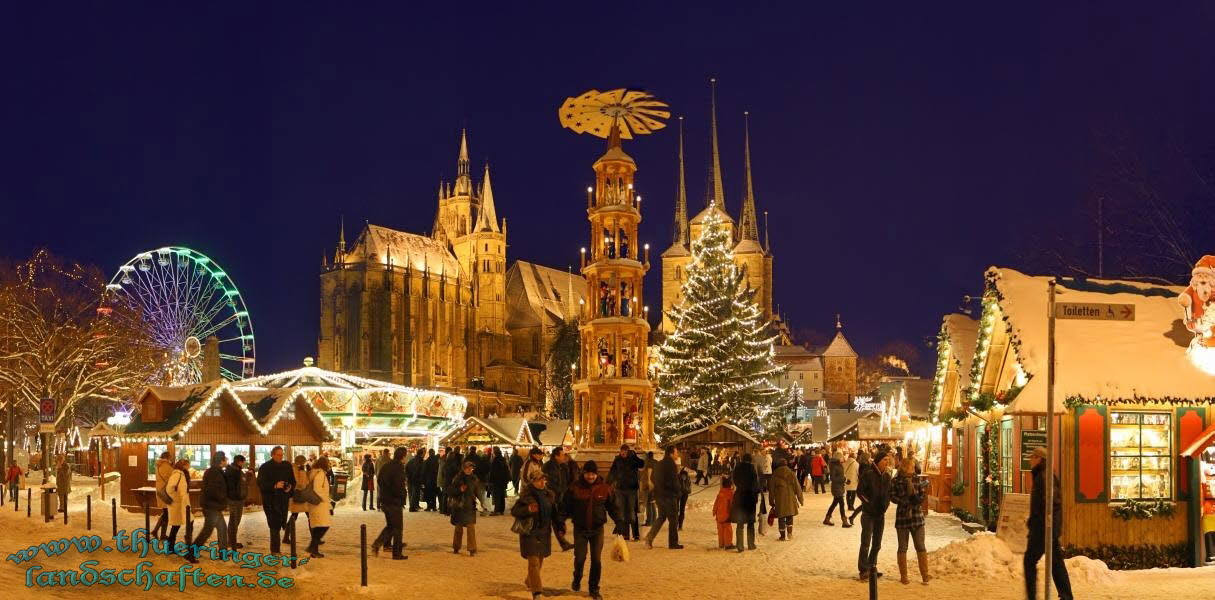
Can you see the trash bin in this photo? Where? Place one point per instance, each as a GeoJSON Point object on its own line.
{"type": "Point", "coordinates": [340, 479]}
{"type": "Point", "coordinates": [50, 503]}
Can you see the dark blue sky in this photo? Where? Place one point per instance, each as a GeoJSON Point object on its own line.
{"type": "Point", "coordinates": [900, 149]}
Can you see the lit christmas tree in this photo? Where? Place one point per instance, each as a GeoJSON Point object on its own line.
{"type": "Point", "coordinates": [718, 363]}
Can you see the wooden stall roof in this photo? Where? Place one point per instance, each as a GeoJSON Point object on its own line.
{"type": "Point", "coordinates": [551, 433]}
{"type": "Point", "coordinates": [512, 431]}
{"type": "Point", "coordinates": [717, 433]}
{"type": "Point", "coordinates": [260, 409]}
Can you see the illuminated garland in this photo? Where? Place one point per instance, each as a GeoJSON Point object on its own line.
{"type": "Point", "coordinates": [938, 377]}
{"type": "Point", "coordinates": [990, 488]}
{"type": "Point", "coordinates": [992, 297]}
{"type": "Point", "coordinates": [719, 363]}
{"type": "Point", "coordinates": [1073, 402]}
{"type": "Point", "coordinates": [200, 409]}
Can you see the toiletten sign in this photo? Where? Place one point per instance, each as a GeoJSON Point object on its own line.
{"type": "Point", "coordinates": [1094, 311]}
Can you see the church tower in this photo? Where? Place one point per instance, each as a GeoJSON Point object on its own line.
{"type": "Point", "coordinates": [613, 396]}
{"type": "Point", "coordinates": [676, 258]}
{"type": "Point", "coordinates": [748, 252]}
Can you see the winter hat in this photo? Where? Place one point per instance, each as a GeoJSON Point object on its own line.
{"type": "Point", "coordinates": [877, 458]}
{"type": "Point", "coordinates": [218, 458]}
{"type": "Point", "coordinates": [590, 467]}
{"type": "Point", "coordinates": [1205, 266]}
{"type": "Point", "coordinates": [537, 475]}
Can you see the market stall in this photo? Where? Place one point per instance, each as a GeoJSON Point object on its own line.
{"type": "Point", "coordinates": [720, 436]}
{"type": "Point", "coordinates": [506, 433]}
{"type": "Point", "coordinates": [194, 422]}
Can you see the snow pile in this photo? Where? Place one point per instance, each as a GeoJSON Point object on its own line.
{"type": "Point", "coordinates": [982, 555]}
{"type": "Point", "coordinates": [1083, 568]}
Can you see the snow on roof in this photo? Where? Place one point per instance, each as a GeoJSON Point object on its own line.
{"type": "Point", "coordinates": [533, 291]}
{"type": "Point", "coordinates": [1106, 360]}
{"type": "Point", "coordinates": [725, 424]}
{"type": "Point", "coordinates": [839, 346]}
{"type": "Point", "coordinates": [676, 250]}
{"type": "Point", "coordinates": [748, 247]}
{"type": "Point", "coordinates": [553, 433]}
{"type": "Point", "coordinates": [962, 331]}
{"type": "Point", "coordinates": [512, 430]}
{"type": "Point", "coordinates": [420, 252]}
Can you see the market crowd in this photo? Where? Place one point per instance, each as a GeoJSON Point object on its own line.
{"type": "Point", "coordinates": [560, 502]}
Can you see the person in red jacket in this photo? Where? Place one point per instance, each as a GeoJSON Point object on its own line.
{"type": "Point", "coordinates": [13, 479]}
{"type": "Point", "coordinates": [818, 464]}
{"type": "Point", "coordinates": [721, 514]}
{"type": "Point", "coordinates": [589, 503]}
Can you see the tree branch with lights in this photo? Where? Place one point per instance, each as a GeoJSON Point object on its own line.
{"type": "Point", "coordinates": [718, 364]}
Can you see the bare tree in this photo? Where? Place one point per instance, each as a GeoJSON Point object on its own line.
{"type": "Point", "coordinates": [58, 339]}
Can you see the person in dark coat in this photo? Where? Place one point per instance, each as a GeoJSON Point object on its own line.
{"type": "Point", "coordinates": [499, 476]}
{"type": "Point", "coordinates": [413, 478]}
{"type": "Point", "coordinates": [392, 501]}
{"type": "Point", "coordinates": [214, 499]}
{"type": "Point", "coordinates": [516, 463]}
{"type": "Point", "coordinates": [838, 483]}
{"type": "Point", "coordinates": [589, 503]}
{"type": "Point", "coordinates": [1035, 545]}
{"type": "Point", "coordinates": [666, 495]}
{"type": "Point", "coordinates": [862, 464]}
{"type": "Point", "coordinates": [238, 491]}
{"type": "Point", "coordinates": [874, 493]}
{"type": "Point", "coordinates": [452, 466]}
{"type": "Point", "coordinates": [484, 464]}
{"type": "Point", "coordinates": [786, 498]}
{"type": "Point", "coordinates": [536, 507]}
{"type": "Point", "coordinates": [746, 496]}
{"type": "Point", "coordinates": [368, 481]}
{"type": "Point", "coordinates": [558, 484]}
{"type": "Point", "coordinates": [430, 476]}
{"type": "Point", "coordinates": [440, 484]}
{"type": "Point", "coordinates": [276, 481]}
{"type": "Point", "coordinates": [462, 495]}
{"type": "Point", "coordinates": [624, 478]}
{"type": "Point", "coordinates": [685, 490]}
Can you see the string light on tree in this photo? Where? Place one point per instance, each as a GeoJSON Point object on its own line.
{"type": "Point", "coordinates": [718, 364]}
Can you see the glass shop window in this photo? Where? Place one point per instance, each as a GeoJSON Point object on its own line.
{"type": "Point", "coordinates": [1141, 462]}
{"type": "Point", "coordinates": [154, 452]}
{"type": "Point", "coordinates": [199, 455]}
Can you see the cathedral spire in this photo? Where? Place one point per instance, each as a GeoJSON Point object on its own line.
{"type": "Point", "coordinates": [463, 180]}
{"type": "Point", "coordinates": [340, 255]}
{"type": "Point", "coordinates": [767, 241]}
{"type": "Point", "coordinates": [714, 192]}
{"type": "Point", "coordinates": [487, 218]}
{"type": "Point", "coordinates": [748, 226]}
{"type": "Point", "coordinates": [680, 237]}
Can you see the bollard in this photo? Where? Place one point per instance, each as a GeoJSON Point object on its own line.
{"type": "Point", "coordinates": [114, 515]}
{"type": "Point", "coordinates": [65, 515]}
{"type": "Point", "coordinates": [88, 512]}
{"type": "Point", "coordinates": [363, 552]}
{"type": "Point", "coordinates": [189, 523]}
{"type": "Point", "coordinates": [29, 500]}
{"type": "Point", "coordinates": [873, 582]}
{"type": "Point", "coordinates": [147, 525]}
{"type": "Point", "coordinates": [293, 554]}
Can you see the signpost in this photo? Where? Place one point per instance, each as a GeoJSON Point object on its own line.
{"type": "Point", "coordinates": [46, 415]}
{"type": "Point", "coordinates": [1094, 311]}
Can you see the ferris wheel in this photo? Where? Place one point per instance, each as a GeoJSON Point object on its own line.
{"type": "Point", "coordinates": [182, 298]}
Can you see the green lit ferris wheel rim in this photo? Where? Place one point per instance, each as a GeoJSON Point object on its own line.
{"type": "Point", "coordinates": [183, 297]}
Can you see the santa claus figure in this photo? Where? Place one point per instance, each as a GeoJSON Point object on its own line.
{"type": "Point", "coordinates": [1197, 299]}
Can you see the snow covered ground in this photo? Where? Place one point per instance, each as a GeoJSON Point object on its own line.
{"type": "Point", "coordinates": [820, 562]}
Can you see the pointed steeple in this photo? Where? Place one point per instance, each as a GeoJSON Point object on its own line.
{"type": "Point", "coordinates": [340, 255]}
{"type": "Point", "coordinates": [680, 236]}
{"type": "Point", "coordinates": [463, 180]}
{"type": "Point", "coordinates": [714, 192]}
{"type": "Point", "coordinates": [487, 217]}
{"type": "Point", "coordinates": [748, 224]}
{"type": "Point", "coordinates": [767, 242]}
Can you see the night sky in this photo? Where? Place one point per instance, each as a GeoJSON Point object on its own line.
{"type": "Point", "coordinates": [900, 150]}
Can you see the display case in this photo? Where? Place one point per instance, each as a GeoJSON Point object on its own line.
{"type": "Point", "coordinates": [1141, 462]}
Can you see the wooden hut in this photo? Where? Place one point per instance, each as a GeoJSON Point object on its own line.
{"type": "Point", "coordinates": [1128, 403]}
{"type": "Point", "coordinates": [720, 434]}
{"type": "Point", "coordinates": [195, 422]}
{"type": "Point", "coordinates": [505, 432]}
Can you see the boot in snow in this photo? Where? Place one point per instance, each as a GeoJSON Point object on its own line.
{"type": "Point", "coordinates": [922, 558]}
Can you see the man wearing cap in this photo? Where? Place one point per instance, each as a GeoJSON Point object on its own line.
{"type": "Point", "coordinates": [874, 492]}
{"type": "Point", "coordinates": [624, 477]}
{"type": "Point", "coordinates": [214, 499]}
{"type": "Point", "coordinates": [588, 504]}
{"type": "Point", "coordinates": [559, 483]}
{"type": "Point", "coordinates": [534, 464]}
{"type": "Point", "coordinates": [1035, 545]}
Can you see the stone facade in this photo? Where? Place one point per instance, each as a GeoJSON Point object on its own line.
{"type": "Point", "coordinates": [434, 311]}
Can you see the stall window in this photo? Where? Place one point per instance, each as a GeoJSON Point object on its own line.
{"type": "Point", "coordinates": [262, 454]}
{"type": "Point", "coordinates": [961, 441]}
{"type": "Point", "coordinates": [154, 452]}
{"type": "Point", "coordinates": [306, 451]}
{"type": "Point", "coordinates": [232, 450]}
{"type": "Point", "coordinates": [199, 455]}
{"type": "Point", "coordinates": [1141, 463]}
{"type": "Point", "coordinates": [1006, 454]}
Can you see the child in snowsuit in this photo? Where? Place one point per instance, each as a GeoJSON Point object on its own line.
{"type": "Point", "coordinates": [721, 514]}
